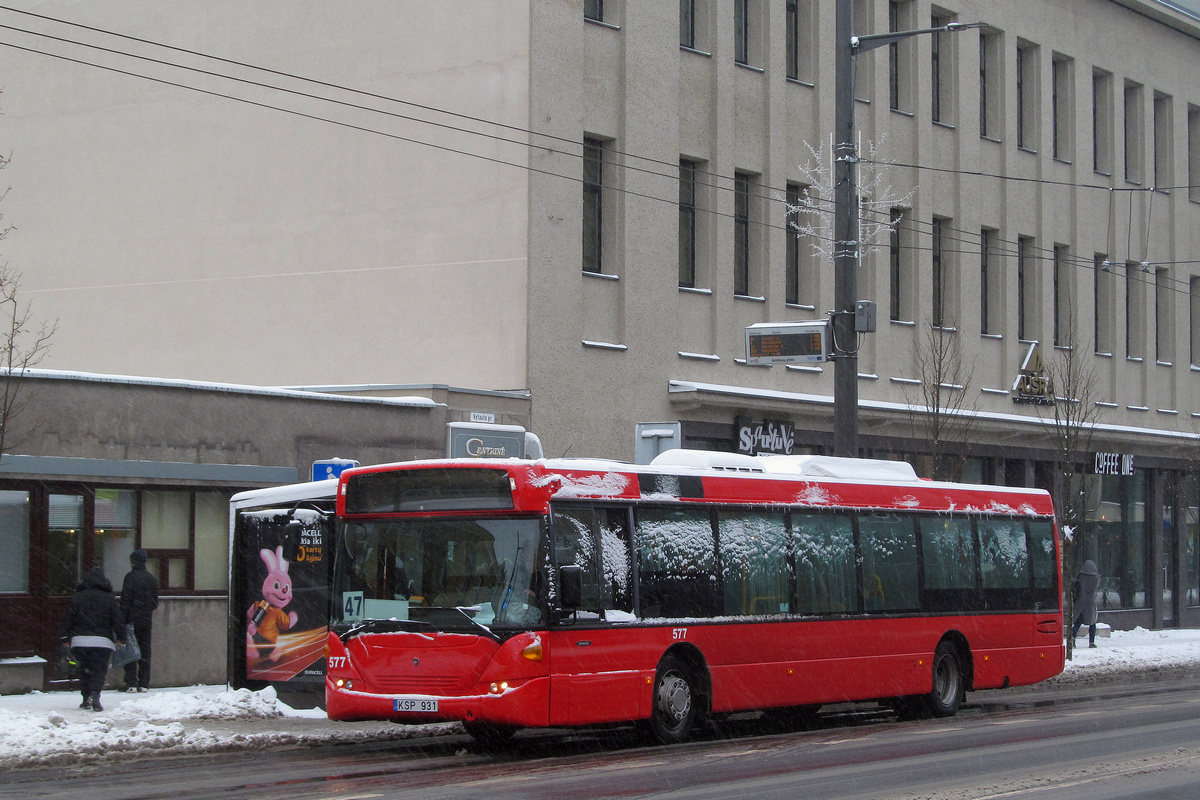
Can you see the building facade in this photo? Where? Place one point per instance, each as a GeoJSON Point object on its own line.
{"type": "Point", "coordinates": [589, 202]}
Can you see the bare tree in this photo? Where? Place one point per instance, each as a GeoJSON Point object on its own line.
{"type": "Point", "coordinates": [941, 409]}
{"type": "Point", "coordinates": [812, 217]}
{"type": "Point", "coordinates": [1074, 386]}
{"type": "Point", "coordinates": [25, 341]}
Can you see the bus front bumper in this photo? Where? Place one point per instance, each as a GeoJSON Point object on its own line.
{"type": "Point", "coordinates": [523, 705]}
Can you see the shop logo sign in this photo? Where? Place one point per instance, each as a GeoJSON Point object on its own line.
{"type": "Point", "coordinates": [777, 438]}
{"type": "Point", "coordinates": [1033, 384]}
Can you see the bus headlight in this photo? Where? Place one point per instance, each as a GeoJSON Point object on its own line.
{"type": "Point", "coordinates": [344, 683]}
{"type": "Point", "coordinates": [498, 687]}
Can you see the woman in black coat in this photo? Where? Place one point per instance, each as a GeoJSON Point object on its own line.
{"type": "Point", "coordinates": [92, 626]}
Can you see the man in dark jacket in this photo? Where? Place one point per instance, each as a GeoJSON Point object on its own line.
{"type": "Point", "coordinates": [139, 598]}
{"type": "Point", "coordinates": [92, 626]}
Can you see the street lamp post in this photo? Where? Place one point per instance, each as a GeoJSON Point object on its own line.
{"type": "Point", "coordinates": [846, 245]}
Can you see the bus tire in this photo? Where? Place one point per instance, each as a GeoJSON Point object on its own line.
{"type": "Point", "coordinates": [489, 735]}
{"type": "Point", "coordinates": [948, 683]}
{"type": "Point", "coordinates": [675, 702]}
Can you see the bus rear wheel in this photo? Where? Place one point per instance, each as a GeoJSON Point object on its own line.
{"type": "Point", "coordinates": [948, 683]}
{"type": "Point", "coordinates": [674, 711]}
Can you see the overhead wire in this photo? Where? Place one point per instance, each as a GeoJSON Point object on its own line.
{"type": "Point", "coordinates": [762, 193]}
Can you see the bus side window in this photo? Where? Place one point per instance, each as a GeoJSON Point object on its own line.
{"type": "Point", "coordinates": [753, 546]}
{"type": "Point", "coordinates": [677, 572]}
{"type": "Point", "coordinates": [1005, 556]}
{"type": "Point", "coordinates": [889, 562]}
{"type": "Point", "coordinates": [1042, 555]}
{"type": "Point", "coordinates": [575, 544]}
{"type": "Point", "coordinates": [616, 568]}
{"type": "Point", "coordinates": [826, 582]}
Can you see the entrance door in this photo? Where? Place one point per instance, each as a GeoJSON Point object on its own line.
{"type": "Point", "coordinates": [66, 544]}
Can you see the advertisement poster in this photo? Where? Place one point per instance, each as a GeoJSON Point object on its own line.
{"type": "Point", "coordinates": [284, 562]}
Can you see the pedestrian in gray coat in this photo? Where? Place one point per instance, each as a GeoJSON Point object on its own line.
{"type": "Point", "coordinates": [1084, 591]}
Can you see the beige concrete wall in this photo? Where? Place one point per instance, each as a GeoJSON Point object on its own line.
{"type": "Point", "coordinates": [241, 243]}
{"type": "Point", "coordinates": [653, 99]}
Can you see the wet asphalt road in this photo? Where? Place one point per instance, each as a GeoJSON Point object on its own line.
{"type": "Point", "coordinates": [1119, 740]}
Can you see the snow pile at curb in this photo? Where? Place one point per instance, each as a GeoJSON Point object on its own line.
{"type": "Point", "coordinates": [195, 704]}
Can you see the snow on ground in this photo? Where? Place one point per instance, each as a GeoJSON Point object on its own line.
{"type": "Point", "coordinates": [48, 728]}
{"type": "Point", "coordinates": [1137, 651]}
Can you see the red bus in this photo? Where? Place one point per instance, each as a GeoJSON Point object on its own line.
{"type": "Point", "coordinates": [514, 594]}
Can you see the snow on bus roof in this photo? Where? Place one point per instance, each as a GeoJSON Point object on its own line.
{"type": "Point", "coordinates": [857, 469]}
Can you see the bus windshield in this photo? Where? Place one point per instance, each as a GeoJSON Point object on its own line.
{"type": "Point", "coordinates": [454, 573]}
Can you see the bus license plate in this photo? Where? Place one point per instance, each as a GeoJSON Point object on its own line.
{"type": "Point", "coordinates": [415, 704]}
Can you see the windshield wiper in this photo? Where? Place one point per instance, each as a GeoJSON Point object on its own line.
{"type": "Point", "coordinates": [386, 626]}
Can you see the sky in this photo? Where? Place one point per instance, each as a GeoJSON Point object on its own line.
{"type": "Point", "coordinates": [48, 728]}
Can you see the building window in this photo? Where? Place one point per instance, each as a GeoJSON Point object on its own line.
{"type": "Point", "coordinates": [116, 515]}
{"type": "Point", "coordinates": [797, 30]}
{"type": "Point", "coordinates": [1194, 315]}
{"type": "Point", "coordinates": [1026, 289]}
{"type": "Point", "coordinates": [1193, 133]}
{"type": "Point", "coordinates": [896, 260]}
{"type": "Point", "coordinates": [1135, 346]}
{"type": "Point", "coordinates": [687, 223]}
{"type": "Point", "coordinates": [1164, 151]}
{"type": "Point", "coordinates": [1164, 327]}
{"type": "Point", "coordinates": [900, 56]}
{"type": "Point", "coordinates": [1133, 133]}
{"type": "Point", "coordinates": [1062, 107]}
{"type": "Point", "coordinates": [1102, 304]}
{"type": "Point", "coordinates": [942, 283]}
{"type": "Point", "coordinates": [1064, 306]}
{"type": "Point", "coordinates": [14, 542]}
{"type": "Point", "coordinates": [741, 31]}
{"type": "Point", "coordinates": [593, 205]}
{"type": "Point", "coordinates": [687, 24]}
{"type": "Point", "coordinates": [1102, 122]}
{"type": "Point", "coordinates": [792, 251]}
{"type": "Point", "coordinates": [741, 233]}
{"type": "Point", "coordinates": [989, 279]}
{"type": "Point", "coordinates": [990, 73]}
{"type": "Point", "coordinates": [593, 10]}
{"type": "Point", "coordinates": [1027, 77]}
{"type": "Point", "coordinates": [941, 68]}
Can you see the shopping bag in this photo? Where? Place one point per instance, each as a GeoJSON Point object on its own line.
{"type": "Point", "coordinates": [126, 653]}
{"type": "Point", "coordinates": [65, 668]}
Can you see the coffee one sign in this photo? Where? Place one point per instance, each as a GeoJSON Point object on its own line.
{"type": "Point", "coordinates": [765, 437]}
{"type": "Point", "coordinates": [1113, 464]}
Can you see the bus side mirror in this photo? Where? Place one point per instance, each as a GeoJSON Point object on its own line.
{"type": "Point", "coordinates": [570, 587]}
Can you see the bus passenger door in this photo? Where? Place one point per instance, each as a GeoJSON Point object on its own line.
{"type": "Point", "coordinates": [593, 654]}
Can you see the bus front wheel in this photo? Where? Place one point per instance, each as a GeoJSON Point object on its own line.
{"type": "Point", "coordinates": [489, 735]}
{"type": "Point", "coordinates": [675, 702]}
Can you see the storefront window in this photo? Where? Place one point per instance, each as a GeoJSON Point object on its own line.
{"type": "Point", "coordinates": [14, 542]}
{"type": "Point", "coordinates": [212, 540]}
{"type": "Point", "coordinates": [166, 520]}
{"type": "Point", "coordinates": [64, 544]}
{"type": "Point", "coordinates": [116, 528]}
{"type": "Point", "coordinates": [1116, 539]}
{"type": "Point", "coordinates": [1189, 517]}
